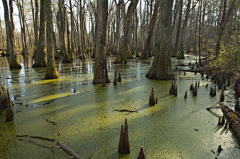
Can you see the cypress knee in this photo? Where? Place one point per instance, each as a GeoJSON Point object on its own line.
{"type": "Point", "coordinates": [141, 154]}
{"type": "Point", "coordinates": [123, 141]}
{"type": "Point", "coordinates": [175, 91]}
{"type": "Point", "coordinates": [222, 96]}
{"type": "Point", "coordinates": [119, 77]}
{"type": "Point", "coordinates": [152, 101]}
{"type": "Point", "coordinates": [185, 96]}
{"type": "Point", "coordinates": [191, 87]}
{"type": "Point", "coordinates": [211, 91]}
{"type": "Point", "coordinates": [195, 90]}
{"type": "Point", "coordinates": [206, 86]}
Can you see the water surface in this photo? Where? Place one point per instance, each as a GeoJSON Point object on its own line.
{"type": "Point", "coordinates": [86, 121]}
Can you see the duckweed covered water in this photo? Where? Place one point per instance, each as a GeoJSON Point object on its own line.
{"type": "Point", "coordinates": [86, 121]}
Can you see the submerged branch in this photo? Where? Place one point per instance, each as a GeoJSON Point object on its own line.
{"type": "Point", "coordinates": [126, 110]}
{"type": "Point", "coordinates": [68, 150]}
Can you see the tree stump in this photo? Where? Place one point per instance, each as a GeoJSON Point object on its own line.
{"type": "Point", "coordinates": [123, 147]}
{"type": "Point", "coordinates": [115, 77]}
{"type": "Point", "coordinates": [152, 101]}
{"type": "Point", "coordinates": [119, 77]}
{"type": "Point", "coordinates": [141, 154]}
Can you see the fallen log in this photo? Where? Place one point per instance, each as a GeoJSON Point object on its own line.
{"type": "Point", "coordinates": [216, 107]}
{"type": "Point", "coordinates": [233, 119]}
{"type": "Point", "coordinates": [68, 150]}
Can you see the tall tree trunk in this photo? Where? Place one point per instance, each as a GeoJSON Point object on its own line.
{"type": "Point", "coordinates": [146, 50]}
{"type": "Point", "coordinates": [51, 71]}
{"type": "Point", "coordinates": [8, 16]}
{"type": "Point", "coordinates": [117, 41]}
{"type": "Point", "coordinates": [101, 60]}
{"type": "Point", "coordinates": [136, 35]}
{"type": "Point", "coordinates": [199, 31]}
{"type": "Point", "coordinates": [123, 55]}
{"type": "Point", "coordinates": [62, 29]}
{"type": "Point", "coordinates": [175, 49]}
{"type": "Point", "coordinates": [181, 49]}
{"type": "Point", "coordinates": [72, 30]}
{"type": "Point", "coordinates": [23, 25]}
{"type": "Point", "coordinates": [162, 66]}
{"type": "Point", "coordinates": [40, 54]}
{"type": "Point", "coordinates": [35, 22]}
{"type": "Point", "coordinates": [2, 37]}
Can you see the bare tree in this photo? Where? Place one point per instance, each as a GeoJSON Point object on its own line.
{"type": "Point", "coordinates": [8, 16]}
{"type": "Point", "coordinates": [40, 54]}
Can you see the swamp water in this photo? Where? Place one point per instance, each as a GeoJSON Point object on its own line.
{"type": "Point", "coordinates": [86, 121]}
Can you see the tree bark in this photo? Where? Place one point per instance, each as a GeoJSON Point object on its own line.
{"type": "Point", "coordinates": [8, 15]}
{"type": "Point", "coordinates": [146, 50]}
{"type": "Point", "coordinates": [127, 20]}
{"type": "Point", "coordinates": [181, 49]}
{"type": "Point", "coordinates": [40, 54]}
{"type": "Point", "coordinates": [175, 49]}
{"type": "Point", "coordinates": [101, 60]}
{"type": "Point", "coordinates": [62, 29]}
{"type": "Point", "coordinates": [162, 66]}
{"type": "Point", "coordinates": [51, 71]}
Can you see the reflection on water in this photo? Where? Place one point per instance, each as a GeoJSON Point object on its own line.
{"type": "Point", "coordinates": [86, 121]}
